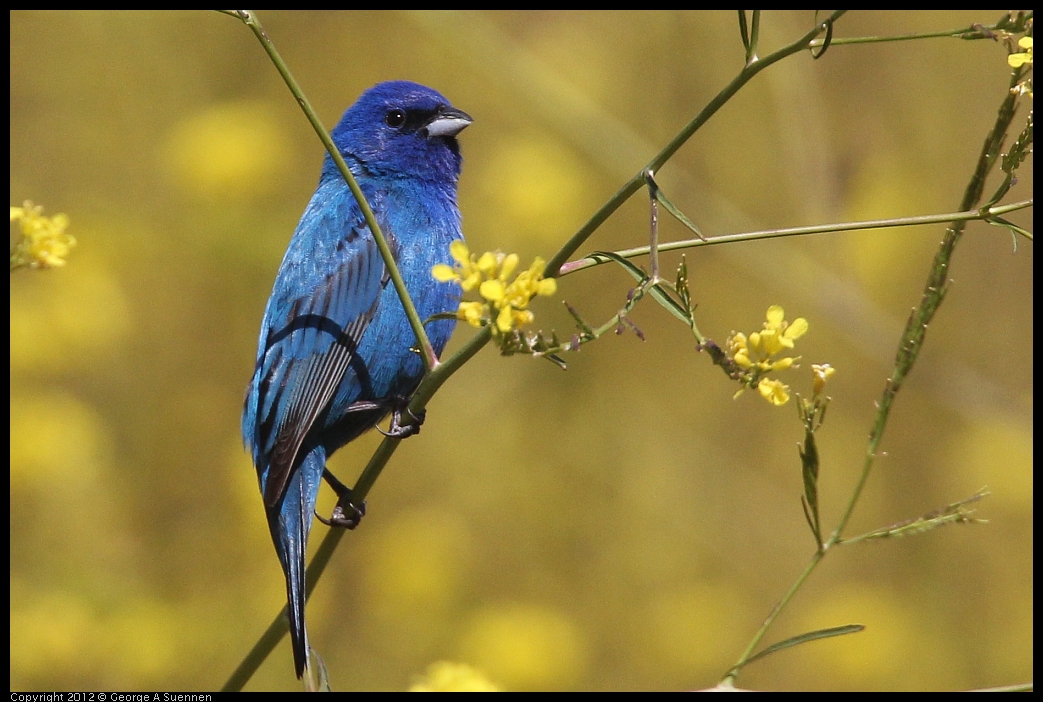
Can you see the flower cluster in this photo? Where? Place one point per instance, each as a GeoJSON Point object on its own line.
{"type": "Point", "coordinates": [44, 243]}
{"type": "Point", "coordinates": [756, 354]}
{"type": "Point", "coordinates": [505, 305]}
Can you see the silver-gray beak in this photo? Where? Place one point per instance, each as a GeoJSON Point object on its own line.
{"type": "Point", "coordinates": [448, 122]}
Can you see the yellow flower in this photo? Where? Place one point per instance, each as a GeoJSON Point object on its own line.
{"type": "Point", "coordinates": [44, 243]}
{"type": "Point", "coordinates": [508, 266]}
{"type": "Point", "coordinates": [756, 355]}
{"type": "Point", "coordinates": [777, 335]}
{"type": "Point", "coordinates": [466, 272]}
{"type": "Point", "coordinates": [487, 264]}
{"type": "Point", "coordinates": [493, 290]}
{"type": "Point", "coordinates": [443, 273]}
{"type": "Point", "coordinates": [505, 303]}
{"type": "Point", "coordinates": [740, 349]}
{"type": "Point", "coordinates": [471, 312]}
{"type": "Point", "coordinates": [774, 391]}
{"type": "Point", "coordinates": [1021, 59]}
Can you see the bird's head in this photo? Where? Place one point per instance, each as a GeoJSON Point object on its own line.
{"type": "Point", "coordinates": [402, 129]}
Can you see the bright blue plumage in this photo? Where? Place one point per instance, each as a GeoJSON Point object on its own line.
{"type": "Point", "coordinates": [334, 354]}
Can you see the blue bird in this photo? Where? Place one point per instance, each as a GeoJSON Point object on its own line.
{"type": "Point", "coordinates": [334, 358]}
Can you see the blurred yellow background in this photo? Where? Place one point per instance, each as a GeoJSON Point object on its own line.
{"type": "Point", "coordinates": [624, 524]}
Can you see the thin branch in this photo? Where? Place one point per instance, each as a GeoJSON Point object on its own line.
{"type": "Point", "coordinates": [993, 213]}
{"type": "Point", "coordinates": [653, 227]}
{"type": "Point", "coordinates": [974, 31]}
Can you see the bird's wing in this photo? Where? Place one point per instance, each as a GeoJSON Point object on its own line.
{"type": "Point", "coordinates": [312, 336]}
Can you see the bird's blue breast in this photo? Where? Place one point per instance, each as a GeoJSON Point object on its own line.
{"type": "Point", "coordinates": [420, 223]}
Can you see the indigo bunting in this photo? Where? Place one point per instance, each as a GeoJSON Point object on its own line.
{"type": "Point", "coordinates": [334, 357]}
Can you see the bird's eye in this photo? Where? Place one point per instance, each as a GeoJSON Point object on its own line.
{"type": "Point", "coordinates": [395, 118]}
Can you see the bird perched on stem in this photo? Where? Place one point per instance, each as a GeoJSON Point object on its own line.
{"type": "Point", "coordinates": [334, 356]}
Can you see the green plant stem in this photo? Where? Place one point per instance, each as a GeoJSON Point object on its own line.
{"type": "Point", "coordinates": [951, 33]}
{"type": "Point", "coordinates": [750, 37]}
{"type": "Point", "coordinates": [653, 228]}
{"type": "Point", "coordinates": [933, 295]}
{"type": "Point", "coordinates": [908, 347]}
{"type": "Point", "coordinates": [729, 679]}
{"type": "Point", "coordinates": [279, 627]}
{"type": "Point", "coordinates": [992, 212]}
{"type": "Point", "coordinates": [250, 20]}
{"type": "Point", "coordinates": [634, 184]}
{"type": "Point", "coordinates": [963, 33]}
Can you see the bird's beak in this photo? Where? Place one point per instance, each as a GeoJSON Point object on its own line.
{"type": "Point", "coordinates": [448, 122]}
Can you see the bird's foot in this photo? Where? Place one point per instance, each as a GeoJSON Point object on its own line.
{"type": "Point", "coordinates": [404, 422]}
{"type": "Point", "coordinates": [346, 514]}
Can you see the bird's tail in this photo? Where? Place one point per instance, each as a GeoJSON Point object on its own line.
{"type": "Point", "coordinates": [290, 522]}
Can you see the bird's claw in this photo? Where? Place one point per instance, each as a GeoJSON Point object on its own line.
{"type": "Point", "coordinates": [403, 430]}
{"type": "Point", "coordinates": [346, 515]}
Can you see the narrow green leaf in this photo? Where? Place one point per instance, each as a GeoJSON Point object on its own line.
{"type": "Point", "coordinates": [805, 638]}
{"type": "Point", "coordinates": [809, 470]}
{"type": "Point", "coordinates": [1013, 228]}
{"type": "Point", "coordinates": [631, 268]}
{"type": "Point", "coordinates": [672, 306]}
{"type": "Point", "coordinates": [744, 32]}
{"type": "Point", "coordinates": [678, 214]}
{"type": "Point", "coordinates": [811, 523]}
